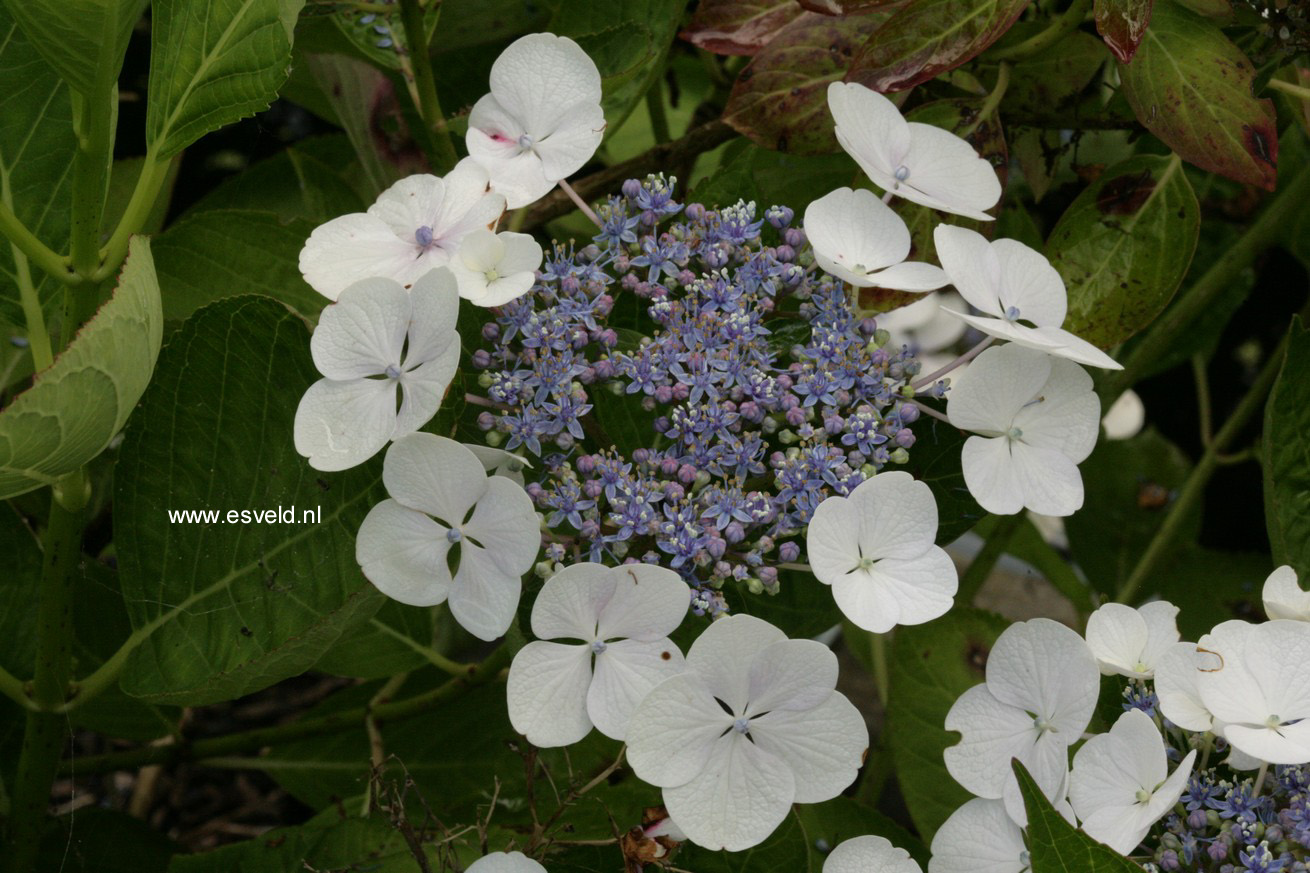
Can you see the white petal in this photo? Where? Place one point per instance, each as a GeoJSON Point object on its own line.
{"type": "Point", "coordinates": [540, 76]}
{"type": "Point", "coordinates": [403, 553]}
{"type": "Point", "coordinates": [1028, 337]}
{"type": "Point", "coordinates": [1175, 687]}
{"type": "Point", "coordinates": [994, 732]}
{"type": "Point", "coordinates": [824, 747]}
{"type": "Point", "coordinates": [435, 300]}
{"type": "Point", "coordinates": [501, 463]}
{"type": "Point", "coordinates": [547, 693]}
{"type": "Point", "coordinates": [523, 253]}
{"type": "Point", "coordinates": [353, 247]}
{"type": "Point", "coordinates": [740, 797]}
{"type": "Point", "coordinates": [434, 474]}
{"type": "Point", "coordinates": [1064, 413]}
{"type": "Point", "coordinates": [1225, 682]}
{"type": "Point", "coordinates": [519, 178]}
{"type": "Point", "coordinates": [505, 862]}
{"type": "Point", "coordinates": [339, 425]}
{"type": "Point", "coordinates": [832, 538]}
{"type": "Point", "coordinates": [572, 142]}
{"type": "Point", "coordinates": [791, 675]}
{"type": "Point", "coordinates": [467, 206]}
{"type": "Point", "coordinates": [1117, 637]}
{"type": "Point", "coordinates": [869, 854]}
{"type": "Point", "coordinates": [423, 390]}
{"type": "Point", "coordinates": [570, 602]}
{"type": "Point", "coordinates": [1048, 763]}
{"type": "Point", "coordinates": [987, 396]}
{"type": "Point", "coordinates": [898, 516]}
{"type": "Point", "coordinates": [410, 203]}
{"type": "Point", "coordinates": [1050, 480]}
{"type": "Point", "coordinates": [871, 130]}
{"type": "Point", "coordinates": [1283, 597]}
{"type": "Point", "coordinates": [363, 333]}
{"type": "Point", "coordinates": [899, 591]}
{"type": "Point", "coordinates": [991, 475]}
{"type": "Point", "coordinates": [483, 597]}
{"type": "Point", "coordinates": [673, 731]}
{"type": "Point", "coordinates": [506, 525]}
{"type": "Point", "coordinates": [972, 266]}
{"type": "Point", "coordinates": [1071, 347]}
{"type": "Point", "coordinates": [854, 233]}
{"type": "Point", "coordinates": [947, 173]}
{"type": "Point", "coordinates": [1120, 827]}
{"type": "Point", "coordinates": [481, 250]}
{"type": "Point", "coordinates": [1125, 417]}
{"type": "Point", "coordinates": [1161, 619]}
{"type": "Point", "coordinates": [979, 837]}
{"type": "Point", "coordinates": [908, 276]}
{"type": "Point", "coordinates": [1030, 284]}
{"type": "Point", "coordinates": [1164, 797]}
{"type": "Point", "coordinates": [1288, 744]}
{"type": "Point", "coordinates": [625, 673]}
{"type": "Point", "coordinates": [1111, 768]}
{"type": "Point", "coordinates": [722, 656]}
{"type": "Point", "coordinates": [1276, 655]}
{"type": "Point", "coordinates": [1043, 667]}
{"type": "Point", "coordinates": [648, 603]}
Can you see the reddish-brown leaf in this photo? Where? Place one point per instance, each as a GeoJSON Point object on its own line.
{"type": "Point", "coordinates": [1122, 23]}
{"type": "Point", "coordinates": [738, 27]}
{"type": "Point", "coordinates": [929, 37]}
{"type": "Point", "coordinates": [780, 99]}
{"type": "Point", "coordinates": [1191, 87]}
{"type": "Point", "coordinates": [843, 7]}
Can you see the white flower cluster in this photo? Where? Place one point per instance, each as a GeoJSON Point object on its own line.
{"type": "Point", "coordinates": [1242, 682]}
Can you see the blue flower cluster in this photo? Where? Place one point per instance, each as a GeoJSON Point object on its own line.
{"type": "Point", "coordinates": [740, 386]}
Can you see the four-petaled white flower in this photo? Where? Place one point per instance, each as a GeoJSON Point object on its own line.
{"type": "Point", "coordinates": [376, 342]}
{"type": "Point", "coordinates": [505, 862]}
{"type": "Point", "coordinates": [922, 163]}
{"type": "Point", "coordinates": [1284, 598]}
{"type": "Point", "coordinates": [869, 854]}
{"type": "Point", "coordinates": [623, 617]}
{"type": "Point", "coordinates": [415, 225]}
{"type": "Point", "coordinates": [1121, 785]}
{"type": "Point", "coordinates": [753, 726]}
{"type": "Point", "coordinates": [979, 837]}
{"type": "Point", "coordinates": [1041, 689]}
{"type": "Point", "coordinates": [1255, 683]}
{"type": "Point", "coordinates": [1010, 284]}
{"type": "Point", "coordinates": [926, 328]}
{"type": "Point", "coordinates": [494, 268]}
{"type": "Point", "coordinates": [1037, 419]}
{"type": "Point", "coordinates": [1130, 642]}
{"type": "Point", "coordinates": [857, 238]}
{"type": "Point", "coordinates": [875, 548]}
{"type": "Point", "coordinates": [542, 120]}
{"type": "Point", "coordinates": [449, 532]}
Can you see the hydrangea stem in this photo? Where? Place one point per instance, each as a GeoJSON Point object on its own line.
{"type": "Point", "coordinates": [425, 84]}
{"type": "Point", "coordinates": [579, 202]}
{"type": "Point", "coordinates": [1297, 91]}
{"type": "Point", "coordinates": [26, 242]}
{"type": "Point", "coordinates": [38, 335]}
{"type": "Point", "coordinates": [1066, 23]}
{"type": "Point", "coordinates": [154, 172]}
{"type": "Point", "coordinates": [961, 360]}
{"type": "Point", "coordinates": [881, 675]}
{"type": "Point", "coordinates": [94, 118]}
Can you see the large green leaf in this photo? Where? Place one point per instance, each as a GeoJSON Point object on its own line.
{"type": "Point", "coordinates": [1191, 87]}
{"type": "Point", "coordinates": [75, 407]}
{"type": "Point", "coordinates": [931, 665]}
{"type": "Point", "coordinates": [36, 158]}
{"type": "Point", "coordinates": [738, 27]}
{"type": "Point", "coordinates": [306, 181]}
{"type": "Point", "coordinates": [1122, 24]}
{"type": "Point", "coordinates": [98, 840]}
{"type": "Point", "coordinates": [1054, 80]}
{"type": "Point", "coordinates": [223, 609]}
{"type": "Point", "coordinates": [83, 40]}
{"type": "Point", "coordinates": [1124, 246]}
{"type": "Point", "coordinates": [213, 62]}
{"type": "Point", "coordinates": [929, 37]}
{"type": "Point", "coordinates": [1286, 452]}
{"type": "Point", "coordinates": [1055, 846]}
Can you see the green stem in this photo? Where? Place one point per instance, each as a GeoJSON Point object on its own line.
{"type": "Point", "coordinates": [984, 562]}
{"type": "Point", "coordinates": [881, 675]}
{"type": "Point", "coordinates": [45, 732]}
{"type": "Point", "coordinates": [659, 122]}
{"type": "Point", "coordinates": [993, 100]}
{"type": "Point", "coordinates": [15, 689]}
{"type": "Point", "coordinates": [93, 123]}
{"type": "Point", "coordinates": [154, 172]}
{"type": "Point", "coordinates": [1068, 20]}
{"type": "Point", "coordinates": [429, 107]}
{"type": "Point", "coordinates": [1167, 330]}
{"type": "Point", "coordinates": [1203, 405]}
{"type": "Point", "coordinates": [249, 741]}
{"type": "Point", "coordinates": [26, 242]}
{"type": "Point", "coordinates": [433, 657]}
{"type": "Point", "coordinates": [1190, 493]}
{"type": "Point", "coordinates": [1298, 91]}
{"type": "Point", "coordinates": [38, 335]}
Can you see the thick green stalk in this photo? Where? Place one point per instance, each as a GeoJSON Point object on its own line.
{"type": "Point", "coordinates": [154, 172]}
{"type": "Point", "coordinates": [94, 118]}
{"type": "Point", "coordinates": [38, 335]}
{"type": "Point", "coordinates": [429, 107]}
{"type": "Point", "coordinates": [46, 732]}
{"type": "Point", "coordinates": [26, 242]}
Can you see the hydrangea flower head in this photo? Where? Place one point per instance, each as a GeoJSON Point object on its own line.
{"type": "Point", "coordinates": [622, 617]}
{"type": "Point", "coordinates": [1284, 598]}
{"type": "Point", "coordinates": [1130, 641]}
{"type": "Point", "coordinates": [869, 854]}
{"type": "Point", "coordinates": [860, 240]}
{"type": "Point", "coordinates": [753, 726]}
{"type": "Point", "coordinates": [376, 342]}
{"type": "Point", "coordinates": [542, 120]}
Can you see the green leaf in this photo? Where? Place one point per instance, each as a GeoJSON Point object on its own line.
{"type": "Point", "coordinates": [1124, 246]}
{"type": "Point", "coordinates": [1055, 846]}
{"type": "Point", "coordinates": [929, 37]}
{"type": "Point", "coordinates": [294, 183]}
{"type": "Point", "coordinates": [1191, 87]}
{"type": "Point", "coordinates": [1053, 80]}
{"type": "Point", "coordinates": [738, 27]}
{"type": "Point", "coordinates": [83, 40]}
{"type": "Point", "coordinates": [222, 609]}
{"type": "Point", "coordinates": [97, 840]}
{"type": "Point", "coordinates": [780, 100]}
{"type": "Point", "coordinates": [842, 818]}
{"type": "Point", "coordinates": [36, 159]}
{"type": "Point", "coordinates": [803, 606]}
{"type": "Point", "coordinates": [931, 665]}
{"type": "Point", "coordinates": [622, 420]}
{"type": "Point", "coordinates": [1286, 455]}
{"type": "Point", "coordinates": [75, 407]}
{"type": "Point", "coordinates": [222, 253]}
{"type": "Point", "coordinates": [213, 63]}
{"type": "Point", "coordinates": [18, 594]}
{"type": "Point", "coordinates": [1122, 24]}
{"type": "Point", "coordinates": [328, 842]}
{"type": "Point", "coordinates": [352, 87]}
{"type": "Point", "coordinates": [386, 645]}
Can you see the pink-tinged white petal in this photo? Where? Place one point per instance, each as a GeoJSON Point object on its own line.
{"type": "Point", "coordinates": [899, 591]}
{"type": "Point", "coordinates": [1063, 414]}
{"type": "Point", "coordinates": [340, 425]}
{"type": "Point", "coordinates": [979, 837]}
{"type": "Point", "coordinates": [352, 248]}
{"type": "Point", "coordinates": [570, 602]}
{"type": "Point", "coordinates": [673, 731]}
{"type": "Point", "coordinates": [869, 854]}
{"type": "Point", "coordinates": [363, 333]}
{"type": "Point", "coordinates": [435, 475]}
{"type": "Point", "coordinates": [853, 234]}
{"type": "Point", "coordinates": [993, 733]}
{"type": "Point", "coordinates": [403, 553]}
{"type": "Point", "coordinates": [988, 396]}
{"type": "Point", "coordinates": [721, 656]}
{"type": "Point", "coordinates": [625, 672]}
{"type": "Point", "coordinates": [515, 174]}
{"type": "Point", "coordinates": [540, 76]}
{"type": "Point", "coordinates": [871, 130]}
{"type": "Point", "coordinates": [824, 746]}
{"type": "Point", "coordinates": [791, 675]}
{"type": "Point", "coordinates": [946, 173]}
{"type": "Point", "coordinates": [1175, 688]}
{"type": "Point", "coordinates": [505, 862]}
{"type": "Point", "coordinates": [737, 800]}
{"type": "Point", "coordinates": [648, 603]}
{"type": "Point", "coordinates": [1045, 668]}
{"type": "Point", "coordinates": [483, 597]}
{"type": "Point", "coordinates": [1283, 596]}
{"type": "Point", "coordinates": [547, 693]}
{"type": "Point", "coordinates": [1029, 284]}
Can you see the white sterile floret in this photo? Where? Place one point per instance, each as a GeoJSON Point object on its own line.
{"type": "Point", "coordinates": [979, 837]}
{"type": "Point", "coordinates": [1036, 418]}
{"type": "Point", "coordinates": [926, 328]}
{"type": "Point", "coordinates": [1130, 642]}
{"type": "Point", "coordinates": [1041, 689]}
{"type": "Point", "coordinates": [415, 225]}
{"type": "Point", "coordinates": [857, 238]}
{"type": "Point", "coordinates": [1255, 682]}
{"type": "Point", "coordinates": [442, 501]}
{"type": "Point", "coordinates": [1121, 785]}
{"type": "Point", "coordinates": [387, 357]}
{"type": "Point", "coordinates": [1175, 688]}
{"type": "Point", "coordinates": [876, 549]}
{"type": "Point", "coordinates": [494, 268]}
{"type": "Point", "coordinates": [622, 618]}
{"type": "Point", "coordinates": [752, 726]}
{"type": "Point", "coordinates": [1010, 284]}
{"type": "Point", "coordinates": [505, 862]}
{"type": "Point", "coordinates": [1125, 417]}
{"type": "Point", "coordinates": [869, 854]}
{"type": "Point", "coordinates": [1284, 598]}
{"type": "Point", "coordinates": [542, 120]}
{"type": "Point", "coordinates": [922, 163]}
